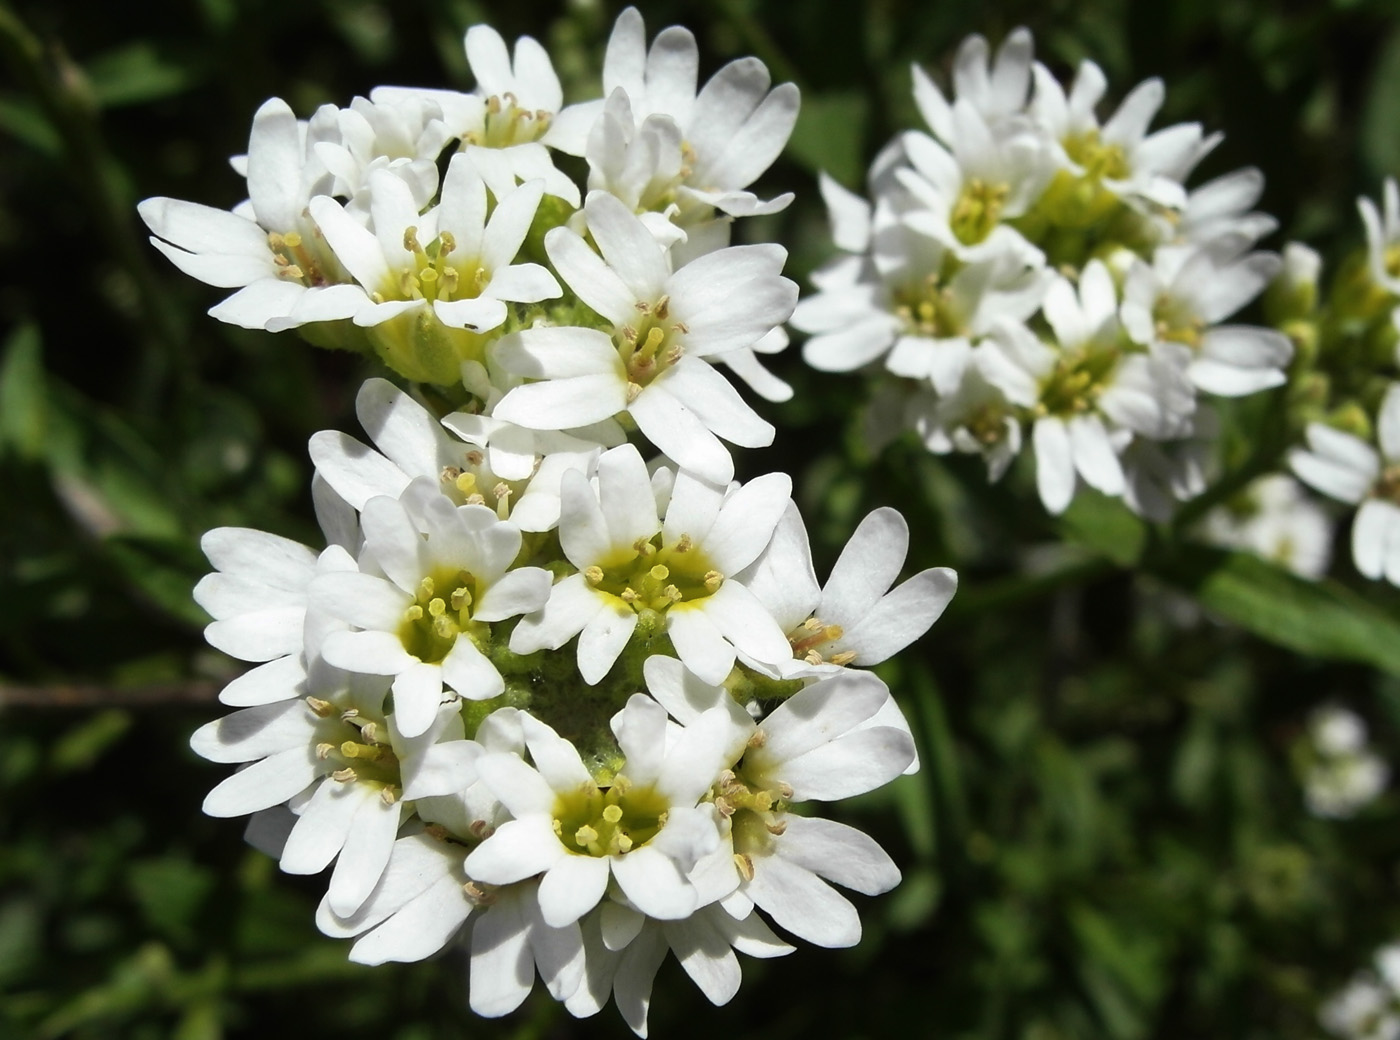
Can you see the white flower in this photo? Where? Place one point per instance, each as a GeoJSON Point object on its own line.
{"type": "Point", "coordinates": [644, 830]}
{"type": "Point", "coordinates": [1364, 1010]}
{"type": "Point", "coordinates": [1274, 520]}
{"type": "Point", "coordinates": [973, 186]}
{"type": "Point", "coordinates": [683, 573]}
{"type": "Point", "coordinates": [1184, 294]}
{"type": "Point", "coordinates": [512, 470]}
{"type": "Point", "coordinates": [1382, 237]}
{"type": "Point", "coordinates": [1350, 470]}
{"type": "Point", "coordinates": [653, 360]}
{"type": "Point", "coordinates": [446, 576]}
{"type": "Point", "coordinates": [860, 617]}
{"type": "Point", "coordinates": [342, 766]}
{"type": "Point", "coordinates": [997, 89]}
{"type": "Point", "coordinates": [513, 117]}
{"type": "Point", "coordinates": [269, 248]}
{"type": "Point", "coordinates": [732, 129]}
{"type": "Point", "coordinates": [704, 943]}
{"type": "Point", "coordinates": [429, 282]}
{"type": "Point", "coordinates": [405, 135]}
{"type": "Point", "coordinates": [823, 743]}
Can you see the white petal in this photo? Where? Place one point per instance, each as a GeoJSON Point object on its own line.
{"type": "Point", "coordinates": [838, 853]}
{"type": "Point", "coordinates": [572, 887]}
{"type": "Point", "coordinates": [517, 850]}
{"type": "Point", "coordinates": [264, 784]}
{"type": "Point", "coordinates": [803, 903]}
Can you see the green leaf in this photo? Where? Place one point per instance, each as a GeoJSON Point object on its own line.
{"type": "Point", "coordinates": [165, 570]}
{"type": "Point", "coordinates": [25, 120]}
{"type": "Point", "coordinates": [828, 135]}
{"type": "Point", "coordinates": [23, 412]}
{"type": "Point", "coordinates": [1379, 143]}
{"type": "Point", "coordinates": [1319, 619]}
{"type": "Point", "coordinates": [1106, 525]}
{"type": "Point", "coordinates": [133, 75]}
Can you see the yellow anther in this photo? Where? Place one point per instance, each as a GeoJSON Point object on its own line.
{"type": "Point", "coordinates": [449, 280]}
{"type": "Point", "coordinates": [629, 334]}
{"type": "Point", "coordinates": [713, 580]}
{"type": "Point", "coordinates": [291, 271]}
{"type": "Point", "coordinates": [663, 308]}
{"type": "Point", "coordinates": [461, 599]}
{"type": "Point", "coordinates": [443, 628]}
{"type": "Point", "coordinates": [502, 492]}
{"type": "Point", "coordinates": [369, 733]}
{"type": "Point", "coordinates": [672, 593]}
{"type": "Point", "coordinates": [413, 613]}
{"type": "Point", "coordinates": [812, 623]}
{"type": "Point", "coordinates": [450, 474]}
{"type": "Point", "coordinates": [475, 499]}
{"type": "Point", "coordinates": [322, 708]}
{"type": "Point", "coordinates": [323, 751]}
{"type": "Point", "coordinates": [585, 835]}
{"type": "Point", "coordinates": [436, 607]}
{"type": "Point", "coordinates": [612, 813]}
{"type": "Point", "coordinates": [633, 389]}
{"type": "Point", "coordinates": [474, 457]}
{"type": "Point", "coordinates": [723, 806]}
{"type": "Point", "coordinates": [480, 829]}
{"type": "Point", "coordinates": [388, 795]}
{"type": "Point", "coordinates": [593, 575]}
{"type": "Point", "coordinates": [758, 738]}
{"type": "Point", "coordinates": [845, 657]}
{"type": "Point", "coordinates": [776, 826]}
{"type": "Point", "coordinates": [628, 595]}
{"type": "Point", "coordinates": [812, 657]}
{"type": "Point", "coordinates": [436, 831]}
{"type": "Point", "coordinates": [745, 864]}
{"type": "Point", "coordinates": [446, 243]}
{"type": "Point", "coordinates": [680, 327]}
{"type": "Point", "coordinates": [426, 588]}
{"type": "Point", "coordinates": [763, 801]}
{"type": "Point", "coordinates": [410, 240]}
{"type": "Point", "coordinates": [275, 240]}
{"type": "Point", "coordinates": [343, 776]}
{"type": "Point", "coordinates": [785, 791]}
{"type": "Point", "coordinates": [660, 572]}
{"type": "Point", "coordinates": [493, 105]}
{"type": "Point", "coordinates": [623, 843]}
{"type": "Point", "coordinates": [684, 545]}
{"type": "Point", "coordinates": [643, 547]}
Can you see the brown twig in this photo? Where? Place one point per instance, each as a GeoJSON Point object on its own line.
{"type": "Point", "coordinates": [93, 695]}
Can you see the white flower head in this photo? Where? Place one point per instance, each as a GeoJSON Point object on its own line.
{"type": "Point", "coordinates": [652, 358]}
{"type": "Point", "coordinates": [436, 576]}
{"type": "Point", "coordinates": [644, 830]}
{"type": "Point", "coordinates": [683, 573]}
{"type": "Point", "coordinates": [429, 284]}
{"type": "Point", "coordinates": [1383, 237]}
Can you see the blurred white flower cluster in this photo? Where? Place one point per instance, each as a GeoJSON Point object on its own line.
{"type": "Point", "coordinates": [1030, 271]}
{"type": "Point", "coordinates": [1341, 774]}
{"type": "Point", "coordinates": [1368, 1008]}
{"type": "Point", "coordinates": [1275, 520]}
{"type": "Point", "coordinates": [542, 694]}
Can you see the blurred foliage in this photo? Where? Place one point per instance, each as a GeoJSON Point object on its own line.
{"type": "Point", "coordinates": [1106, 839]}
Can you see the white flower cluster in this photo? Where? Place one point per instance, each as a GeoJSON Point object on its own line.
{"type": "Point", "coordinates": [541, 695]}
{"type": "Point", "coordinates": [1347, 468]}
{"type": "Point", "coordinates": [1274, 519]}
{"type": "Point", "coordinates": [1028, 268]}
{"type": "Point", "coordinates": [1368, 1008]}
{"type": "Point", "coordinates": [1341, 775]}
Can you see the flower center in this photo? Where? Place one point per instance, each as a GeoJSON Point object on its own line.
{"type": "Point", "coordinates": [429, 276]}
{"type": "Point", "coordinates": [650, 346]}
{"type": "Point", "coordinates": [473, 484]}
{"type": "Point", "coordinates": [295, 262]}
{"type": "Point", "coordinates": [440, 612]}
{"type": "Point", "coordinates": [506, 123]}
{"type": "Point", "coordinates": [927, 309]}
{"type": "Point", "coordinates": [1078, 378]}
{"type": "Point", "coordinates": [810, 638]}
{"type": "Point", "coordinates": [596, 822]}
{"type": "Point", "coordinates": [978, 210]}
{"type": "Point", "coordinates": [657, 577]}
{"type": "Point", "coordinates": [359, 746]}
{"type": "Point", "coordinates": [1099, 161]}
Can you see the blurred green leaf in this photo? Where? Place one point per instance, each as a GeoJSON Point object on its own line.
{"type": "Point", "coordinates": [82, 746]}
{"type": "Point", "coordinates": [165, 570]}
{"type": "Point", "coordinates": [1380, 144]}
{"type": "Point", "coordinates": [23, 408]}
{"type": "Point", "coordinates": [1105, 524]}
{"type": "Point", "coordinates": [170, 892]}
{"type": "Point", "coordinates": [135, 74]}
{"type": "Point", "coordinates": [1320, 619]}
{"type": "Point", "coordinates": [829, 135]}
{"type": "Point", "coordinates": [26, 121]}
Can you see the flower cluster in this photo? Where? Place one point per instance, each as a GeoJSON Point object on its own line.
{"type": "Point", "coordinates": [1274, 519]}
{"type": "Point", "coordinates": [1340, 773]}
{"type": "Point", "coordinates": [1368, 1008]}
{"type": "Point", "coordinates": [542, 694]}
{"type": "Point", "coordinates": [1028, 271]}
